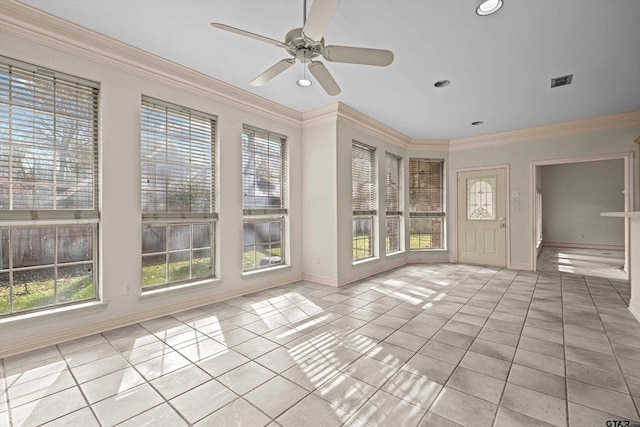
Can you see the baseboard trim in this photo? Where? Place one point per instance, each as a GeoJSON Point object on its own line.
{"type": "Point", "coordinates": [521, 266]}
{"type": "Point", "coordinates": [345, 280]}
{"type": "Point", "coordinates": [35, 342]}
{"type": "Point", "coordinates": [320, 279]}
{"type": "Point", "coordinates": [583, 246]}
{"type": "Point", "coordinates": [635, 310]}
{"type": "Point", "coordinates": [419, 257]}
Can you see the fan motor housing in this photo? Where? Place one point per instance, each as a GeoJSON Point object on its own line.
{"type": "Point", "coordinates": [302, 48]}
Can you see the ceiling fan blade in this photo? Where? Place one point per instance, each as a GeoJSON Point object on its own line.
{"type": "Point", "coordinates": [273, 71]}
{"type": "Point", "coordinates": [319, 19]}
{"type": "Point", "coordinates": [358, 55]}
{"type": "Point", "coordinates": [247, 34]}
{"type": "Point", "coordinates": [325, 78]}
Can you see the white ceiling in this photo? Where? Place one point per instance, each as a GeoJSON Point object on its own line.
{"type": "Point", "coordinates": [500, 66]}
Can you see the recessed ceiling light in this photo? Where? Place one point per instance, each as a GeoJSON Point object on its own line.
{"type": "Point", "coordinates": [442, 83]}
{"type": "Point", "coordinates": [488, 7]}
{"type": "Point", "coordinates": [479, 122]}
{"type": "Point", "coordinates": [303, 83]}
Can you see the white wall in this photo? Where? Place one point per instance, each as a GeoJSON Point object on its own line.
{"type": "Point", "coordinates": [575, 194]}
{"type": "Point", "coordinates": [319, 206]}
{"type": "Point", "coordinates": [120, 225]}
{"type": "Point", "coordinates": [520, 155]}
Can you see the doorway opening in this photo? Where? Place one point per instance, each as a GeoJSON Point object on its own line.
{"type": "Point", "coordinates": [568, 196]}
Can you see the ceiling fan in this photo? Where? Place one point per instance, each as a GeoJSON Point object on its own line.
{"type": "Point", "coordinates": [307, 43]}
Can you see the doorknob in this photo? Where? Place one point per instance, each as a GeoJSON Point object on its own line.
{"type": "Point", "coordinates": [502, 225]}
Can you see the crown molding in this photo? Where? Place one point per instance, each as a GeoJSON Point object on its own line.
{"type": "Point", "coordinates": [36, 25]}
{"type": "Point", "coordinates": [431, 144]}
{"type": "Point", "coordinates": [594, 124]}
{"type": "Point", "coordinates": [367, 124]}
{"type": "Point", "coordinates": [341, 112]}
{"type": "Point", "coordinates": [326, 114]}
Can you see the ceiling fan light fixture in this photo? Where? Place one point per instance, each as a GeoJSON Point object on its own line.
{"type": "Point", "coordinates": [306, 43]}
{"type": "Point", "coordinates": [489, 7]}
{"type": "Point", "coordinates": [304, 81]}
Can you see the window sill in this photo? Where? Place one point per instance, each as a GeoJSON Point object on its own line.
{"type": "Point", "coordinates": [365, 261]}
{"type": "Point", "coordinates": [62, 311]}
{"type": "Point", "coordinates": [259, 271]}
{"type": "Point", "coordinates": [396, 253]}
{"type": "Point", "coordinates": [179, 288]}
{"type": "Point", "coordinates": [428, 250]}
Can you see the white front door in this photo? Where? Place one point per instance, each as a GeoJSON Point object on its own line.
{"type": "Point", "coordinates": [482, 208]}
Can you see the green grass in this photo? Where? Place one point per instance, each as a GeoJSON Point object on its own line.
{"type": "Point", "coordinates": [416, 241]}
{"type": "Point", "coordinates": [153, 275]}
{"type": "Point", "coordinates": [420, 241]}
{"type": "Point", "coordinates": [248, 261]}
{"type": "Point", "coordinates": [42, 293]}
{"type": "Point", "coordinates": [361, 249]}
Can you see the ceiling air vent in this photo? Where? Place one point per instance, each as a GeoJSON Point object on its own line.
{"type": "Point", "coordinates": [561, 81]}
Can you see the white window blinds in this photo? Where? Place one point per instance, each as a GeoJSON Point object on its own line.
{"type": "Point", "coordinates": [263, 172]}
{"type": "Point", "coordinates": [48, 143]}
{"type": "Point", "coordinates": [426, 204]}
{"type": "Point", "coordinates": [426, 187]}
{"type": "Point", "coordinates": [178, 161]}
{"type": "Point", "coordinates": [363, 179]}
{"type": "Point", "coordinates": [393, 168]}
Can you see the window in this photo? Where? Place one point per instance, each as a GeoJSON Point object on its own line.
{"type": "Point", "coordinates": [264, 203]}
{"type": "Point", "coordinates": [363, 196]}
{"type": "Point", "coordinates": [178, 199]}
{"type": "Point", "coordinates": [393, 171]}
{"type": "Point", "coordinates": [481, 200]}
{"type": "Point", "coordinates": [426, 203]}
{"type": "Point", "coordinates": [48, 188]}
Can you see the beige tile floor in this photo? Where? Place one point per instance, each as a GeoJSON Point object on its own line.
{"type": "Point", "coordinates": [439, 345]}
{"type": "Point", "coordinates": [586, 262]}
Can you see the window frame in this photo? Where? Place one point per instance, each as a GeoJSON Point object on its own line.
{"type": "Point", "coordinates": [264, 213]}
{"type": "Point", "coordinates": [394, 216]}
{"type": "Point", "coordinates": [193, 216]}
{"type": "Point", "coordinates": [421, 215]}
{"type": "Point", "coordinates": [255, 221]}
{"type": "Point", "coordinates": [363, 203]}
{"type": "Point", "coordinates": [53, 102]}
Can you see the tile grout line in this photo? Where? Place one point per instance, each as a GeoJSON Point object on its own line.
{"type": "Point", "coordinates": [423, 418]}
{"type": "Point", "coordinates": [467, 349]}
{"type": "Point", "coordinates": [615, 356]}
{"type": "Point", "coordinates": [146, 381]}
{"type": "Point", "coordinates": [6, 391]}
{"type": "Point", "coordinates": [238, 396]}
{"type": "Point", "coordinates": [77, 385]}
{"type": "Point", "coordinates": [353, 417]}
{"type": "Point", "coordinates": [564, 352]}
{"type": "Point", "coordinates": [506, 381]}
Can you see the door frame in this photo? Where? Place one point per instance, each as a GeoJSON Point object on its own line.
{"type": "Point", "coordinates": [507, 201]}
{"type": "Point", "coordinates": [629, 193]}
